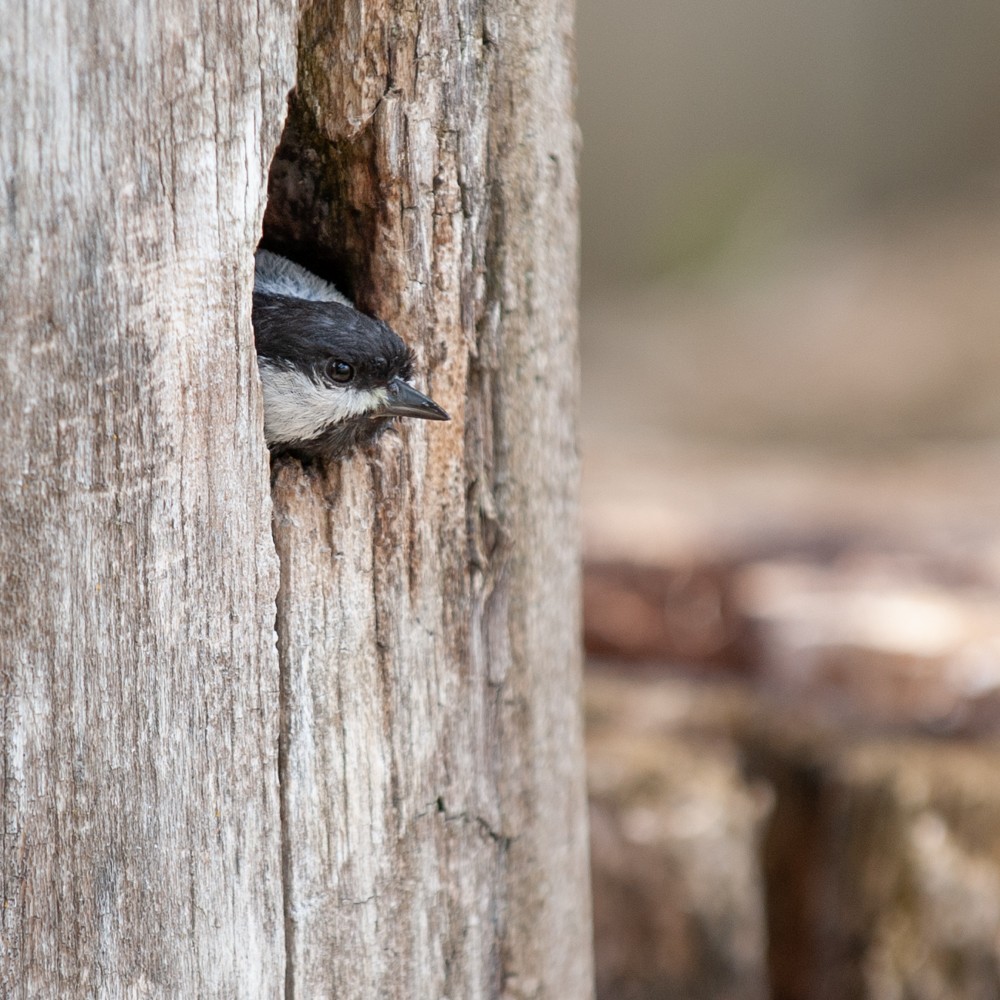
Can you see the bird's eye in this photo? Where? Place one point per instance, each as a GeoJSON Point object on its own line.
{"type": "Point", "coordinates": [340, 371]}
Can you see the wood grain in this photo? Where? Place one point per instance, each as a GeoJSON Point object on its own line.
{"type": "Point", "coordinates": [427, 835]}
{"type": "Point", "coordinates": [140, 854]}
{"type": "Point", "coordinates": [429, 609]}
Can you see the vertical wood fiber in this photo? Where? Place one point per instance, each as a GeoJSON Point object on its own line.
{"type": "Point", "coordinates": [428, 613]}
{"type": "Point", "coordinates": [431, 840]}
{"type": "Point", "coordinates": [140, 846]}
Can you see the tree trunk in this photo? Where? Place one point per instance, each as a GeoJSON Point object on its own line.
{"type": "Point", "coordinates": [141, 830]}
{"type": "Point", "coordinates": [428, 838]}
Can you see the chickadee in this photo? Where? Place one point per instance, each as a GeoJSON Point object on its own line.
{"type": "Point", "coordinates": [333, 378]}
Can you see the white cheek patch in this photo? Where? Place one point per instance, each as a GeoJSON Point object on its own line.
{"type": "Point", "coordinates": [298, 409]}
{"type": "Point", "coordinates": [276, 275]}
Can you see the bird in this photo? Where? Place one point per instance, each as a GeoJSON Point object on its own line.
{"type": "Point", "coordinates": [333, 378]}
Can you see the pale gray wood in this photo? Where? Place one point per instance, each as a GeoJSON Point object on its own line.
{"type": "Point", "coordinates": [433, 837]}
{"type": "Point", "coordinates": [428, 615]}
{"type": "Point", "coordinates": [140, 847]}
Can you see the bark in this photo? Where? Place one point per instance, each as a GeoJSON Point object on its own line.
{"type": "Point", "coordinates": [140, 853]}
{"type": "Point", "coordinates": [431, 653]}
{"type": "Point", "coordinates": [432, 831]}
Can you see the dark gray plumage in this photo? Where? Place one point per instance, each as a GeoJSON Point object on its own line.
{"type": "Point", "coordinates": [333, 378]}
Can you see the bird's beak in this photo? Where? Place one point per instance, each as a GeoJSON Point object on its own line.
{"type": "Point", "coordinates": [405, 401]}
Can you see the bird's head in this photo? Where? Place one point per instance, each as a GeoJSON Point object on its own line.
{"type": "Point", "coordinates": [333, 378]}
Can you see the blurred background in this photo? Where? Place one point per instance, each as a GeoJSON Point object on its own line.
{"type": "Point", "coordinates": [790, 309]}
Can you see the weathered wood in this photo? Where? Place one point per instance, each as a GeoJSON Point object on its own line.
{"type": "Point", "coordinates": [432, 837]}
{"type": "Point", "coordinates": [428, 613]}
{"type": "Point", "coordinates": [140, 852]}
